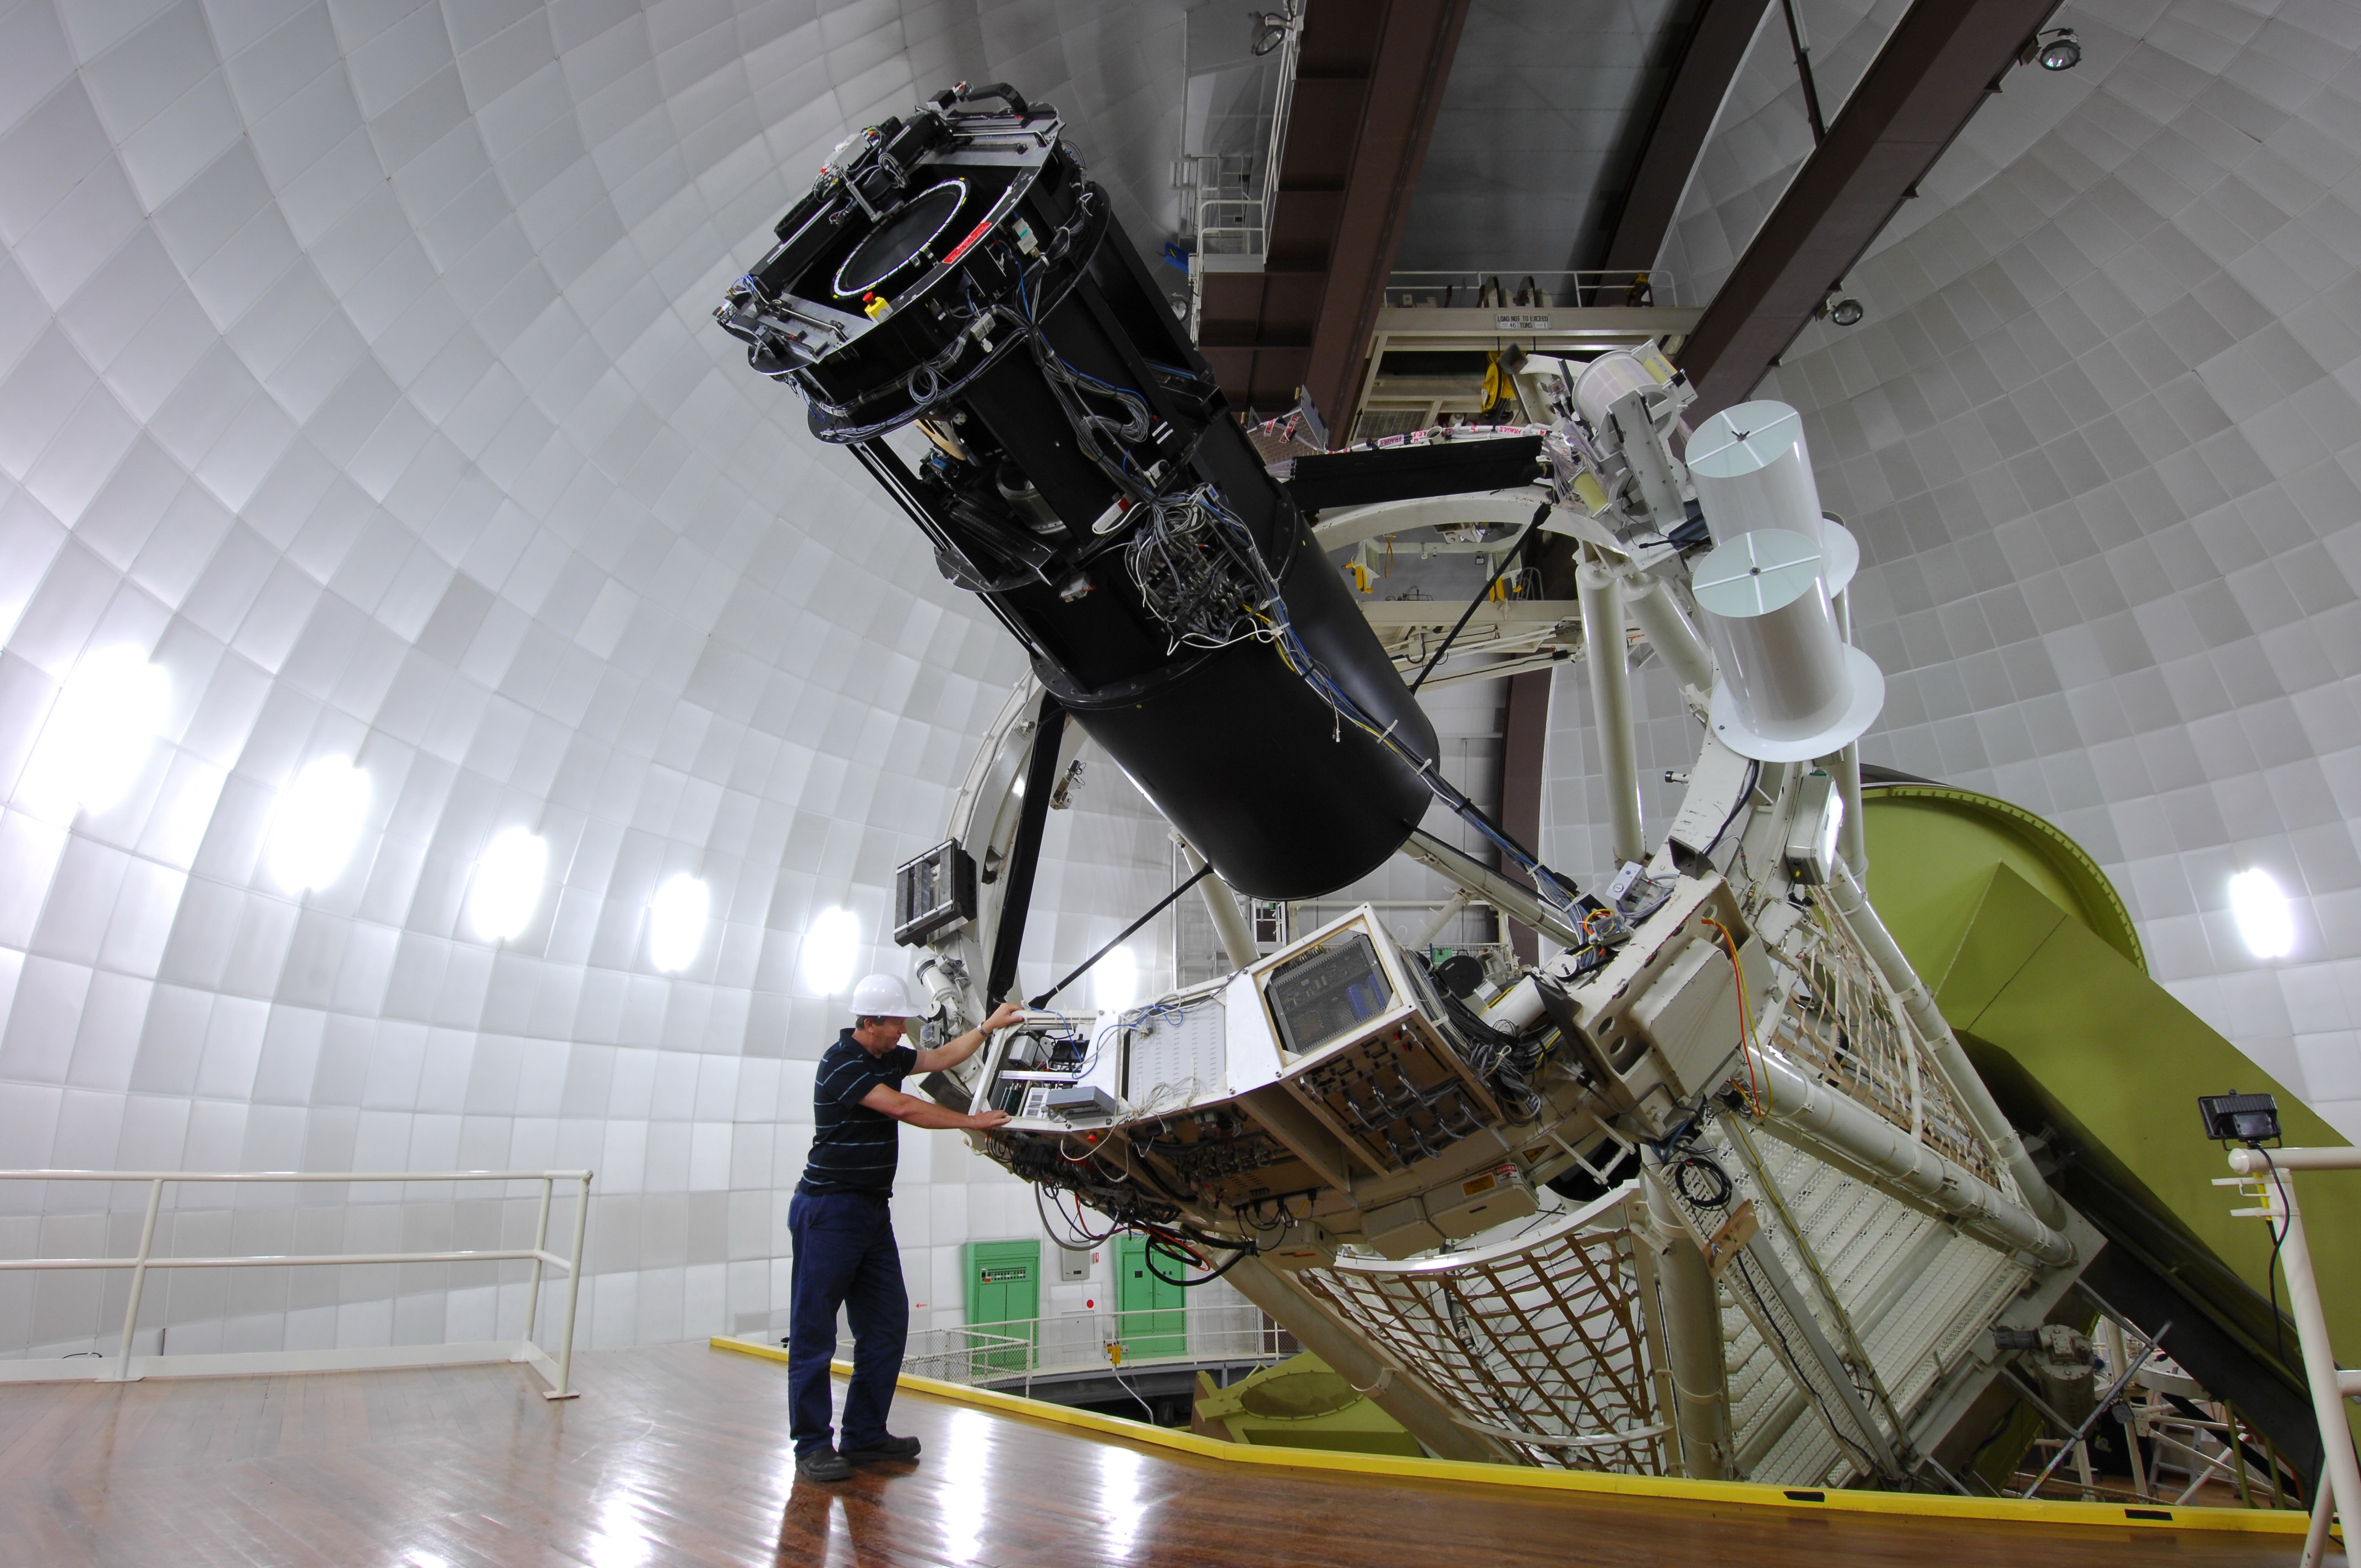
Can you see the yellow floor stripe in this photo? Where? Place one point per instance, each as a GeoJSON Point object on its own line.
{"type": "Point", "coordinates": [1924, 1505]}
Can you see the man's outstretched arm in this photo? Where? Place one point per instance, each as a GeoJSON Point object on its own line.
{"type": "Point", "coordinates": [927, 1113]}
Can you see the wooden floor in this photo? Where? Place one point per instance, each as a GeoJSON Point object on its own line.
{"type": "Point", "coordinates": [679, 1455]}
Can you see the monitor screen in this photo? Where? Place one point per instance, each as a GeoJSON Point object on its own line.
{"type": "Point", "coordinates": [1319, 995]}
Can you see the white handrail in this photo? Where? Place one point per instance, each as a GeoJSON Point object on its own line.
{"type": "Point", "coordinates": [2342, 1486]}
{"type": "Point", "coordinates": [560, 1374]}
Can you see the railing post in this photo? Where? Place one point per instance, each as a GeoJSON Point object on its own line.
{"type": "Point", "coordinates": [540, 1244]}
{"type": "Point", "coordinates": [564, 1389]}
{"type": "Point", "coordinates": [138, 1280]}
{"type": "Point", "coordinates": [2344, 1472]}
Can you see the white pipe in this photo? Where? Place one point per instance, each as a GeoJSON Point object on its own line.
{"type": "Point", "coordinates": [1853, 830]}
{"type": "Point", "coordinates": [2311, 1325]}
{"type": "Point", "coordinates": [139, 1276]}
{"type": "Point", "coordinates": [1797, 1104]}
{"type": "Point", "coordinates": [1608, 656]}
{"type": "Point", "coordinates": [1237, 937]}
{"type": "Point", "coordinates": [2251, 1162]}
{"type": "Point", "coordinates": [1668, 630]}
{"type": "Point", "coordinates": [1459, 899]}
{"type": "Point", "coordinates": [564, 1389]}
{"type": "Point", "coordinates": [1965, 1082]}
{"type": "Point", "coordinates": [1691, 1311]}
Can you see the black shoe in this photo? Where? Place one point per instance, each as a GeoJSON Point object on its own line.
{"type": "Point", "coordinates": [823, 1464]}
{"type": "Point", "coordinates": [905, 1449]}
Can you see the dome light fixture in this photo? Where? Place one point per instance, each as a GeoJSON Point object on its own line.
{"type": "Point", "coordinates": [100, 733]}
{"type": "Point", "coordinates": [508, 884]}
{"type": "Point", "coordinates": [676, 918]}
{"type": "Point", "coordinates": [1114, 984]}
{"type": "Point", "coordinates": [831, 945]}
{"type": "Point", "coordinates": [320, 820]}
{"type": "Point", "coordinates": [1845, 312]}
{"type": "Point", "coordinates": [2057, 50]}
{"type": "Point", "coordinates": [2265, 918]}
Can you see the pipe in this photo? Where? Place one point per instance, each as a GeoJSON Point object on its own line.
{"type": "Point", "coordinates": [1512, 899]}
{"type": "Point", "coordinates": [1801, 1105]}
{"type": "Point", "coordinates": [1608, 656]}
{"type": "Point", "coordinates": [1237, 937]}
{"type": "Point", "coordinates": [1691, 1313]}
{"type": "Point", "coordinates": [1443, 916]}
{"type": "Point", "coordinates": [2320, 1372]}
{"type": "Point", "coordinates": [1669, 632]}
{"type": "Point", "coordinates": [1933, 1028]}
{"type": "Point", "coordinates": [1853, 830]}
{"type": "Point", "coordinates": [1422, 1414]}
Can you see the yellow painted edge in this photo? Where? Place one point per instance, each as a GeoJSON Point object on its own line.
{"type": "Point", "coordinates": [1751, 1494]}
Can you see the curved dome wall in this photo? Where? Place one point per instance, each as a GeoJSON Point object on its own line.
{"type": "Point", "coordinates": [2098, 439]}
{"type": "Point", "coordinates": [356, 368]}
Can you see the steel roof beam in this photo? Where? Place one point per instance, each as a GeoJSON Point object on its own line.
{"type": "Point", "coordinates": [1711, 54]}
{"type": "Point", "coordinates": [1937, 69]}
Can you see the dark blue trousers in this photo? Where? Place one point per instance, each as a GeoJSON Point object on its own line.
{"type": "Point", "coordinates": [844, 1257]}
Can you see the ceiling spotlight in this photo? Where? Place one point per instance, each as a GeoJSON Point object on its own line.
{"type": "Point", "coordinates": [99, 734]}
{"type": "Point", "coordinates": [1114, 984]}
{"type": "Point", "coordinates": [1845, 312]}
{"type": "Point", "coordinates": [677, 922]}
{"type": "Point", "coordinates": [508, 884]}
{"type": "Point", "coordinates": [831, 945]}
{"type": "Point", "coordinates": [2057, 50]}
{"type": "Point", "coordinates": [320, 820]}
{"type": "Point", "coordinates": [2264, 918]}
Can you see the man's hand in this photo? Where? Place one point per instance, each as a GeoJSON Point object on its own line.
{"type": "Point", "coordinates": [1005, 1014]}
{"type": "Point", "coordinates": [984, 1120]}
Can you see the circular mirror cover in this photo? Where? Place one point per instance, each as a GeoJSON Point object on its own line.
{"type": "Point", "coordinates": [907, 232]}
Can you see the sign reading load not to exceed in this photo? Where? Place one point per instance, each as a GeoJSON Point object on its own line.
{"type": "Point", "coordinates": [1521, 323]}
{"type": "Point", "coordinates": [1000, 1273]}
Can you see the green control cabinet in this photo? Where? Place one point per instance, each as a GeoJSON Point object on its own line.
{"type": "Point", "coordinates": [1003, 1286]}
{"type": "Point", "coordinates": [1151, 1313]}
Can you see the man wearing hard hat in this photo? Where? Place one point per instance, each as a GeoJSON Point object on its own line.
{"type": "Point", "coordinates": [843, 1234]}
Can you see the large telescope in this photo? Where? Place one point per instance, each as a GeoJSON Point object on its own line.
{"type": "Point", "coordinates": [1085, 477]}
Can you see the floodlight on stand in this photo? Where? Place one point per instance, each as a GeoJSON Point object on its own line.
{"type": "Point", "coordinates": [2249, 1118]}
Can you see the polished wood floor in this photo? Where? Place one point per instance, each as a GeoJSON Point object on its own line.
{"type": "Point", "coordinates": [678, 1456]}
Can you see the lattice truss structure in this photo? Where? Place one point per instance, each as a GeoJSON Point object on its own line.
{"type": "Point", "coordinates": [1538, 1341]}
{"type": "Point", "coordinates": [1893, 1297]}
{"type": "Point", "coordinates": [1833, 1014]}
{"type": "Point", "coordinates": [1843, 1318]}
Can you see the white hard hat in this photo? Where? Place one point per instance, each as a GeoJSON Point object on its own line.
{"type": "Point", "coordinates": [882, 996]}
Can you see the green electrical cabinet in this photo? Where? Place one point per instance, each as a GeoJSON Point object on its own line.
{"type": "Point", "coordinates": [1003, 1286]}
{"type": "Point", "coordinates": [1151, 1314]}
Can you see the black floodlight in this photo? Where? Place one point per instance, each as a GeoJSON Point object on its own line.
{"type": "Point", "coordinates": [2249, 1118]}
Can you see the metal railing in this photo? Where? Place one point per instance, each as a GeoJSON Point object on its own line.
{"type": "Point", "coordinates": [1020, 1352]}
{"type": "Point", "coordinates": [1236, 223]}
{"type": "Point", "coordinates": [558, 1373]}
{"type": "Point", "coordinates": [1557, 287]}
{"type": "Point", "coordinates": [2269, 1173]}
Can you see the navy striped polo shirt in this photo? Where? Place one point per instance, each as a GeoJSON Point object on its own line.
{"type": "Point", "coordinates": [854, 1148]}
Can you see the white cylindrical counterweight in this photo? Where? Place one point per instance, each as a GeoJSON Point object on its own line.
{"type": "Point", "coordinates": [1790, 689]}
{"type": "Point", "coordinates": [1752, 471]}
